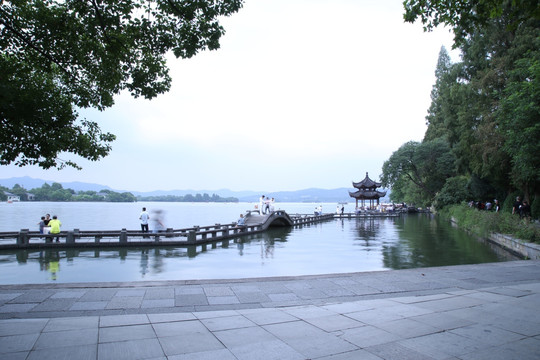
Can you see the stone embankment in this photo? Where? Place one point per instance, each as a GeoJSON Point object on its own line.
{"type": "Point", "coordinates": [516, 246]}
{"type": "Point", "coordinates": [522, 248]}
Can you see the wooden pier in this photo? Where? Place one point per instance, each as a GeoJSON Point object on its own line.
{"type": "Point", "coordinates": [196, 235]}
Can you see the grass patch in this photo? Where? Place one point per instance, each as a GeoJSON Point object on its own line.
{"type": "Point", "coordinates": [482, 223]}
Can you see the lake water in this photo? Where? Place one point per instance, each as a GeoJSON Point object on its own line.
{"type": "Point", "coordinates": [334, 246]}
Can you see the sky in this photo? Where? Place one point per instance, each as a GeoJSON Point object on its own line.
{"type": "Point", "coordinates": [301, 94]}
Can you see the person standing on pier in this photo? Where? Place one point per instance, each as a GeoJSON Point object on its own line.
{"type": "Point", "coordinates": [144, 217]}
{"type": "Point", "coordinates": [41, 225]}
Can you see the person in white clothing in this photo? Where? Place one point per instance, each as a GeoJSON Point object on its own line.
{"type": "Point", "coordinates": [261, 205]}
{"type": "Point", "coordinates": [144, 217]}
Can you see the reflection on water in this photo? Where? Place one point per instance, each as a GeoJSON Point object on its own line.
{"type": "Point", "coordinates": [336, 246]}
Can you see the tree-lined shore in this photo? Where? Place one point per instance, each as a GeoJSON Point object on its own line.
{"type": "Point", "coordinates": [56, 192]}
{"type": "Point", "coordinates": [483, 136]}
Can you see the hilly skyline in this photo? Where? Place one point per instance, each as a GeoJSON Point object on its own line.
{"type": "Point", "coordinates": [303, 195]}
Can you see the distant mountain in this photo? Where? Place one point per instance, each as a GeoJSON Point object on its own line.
{"type": "Point", "coordinates": [306, 195]}
{"type": "Point", "coordinates": [31, 183]}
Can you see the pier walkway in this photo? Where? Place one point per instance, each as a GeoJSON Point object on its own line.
{"type": "Point", "coordinates": [487, 311]}
{"type": "Point", "coordinates": [196, 235]}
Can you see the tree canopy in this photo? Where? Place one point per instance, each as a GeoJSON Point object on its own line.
{"type": "Point", "coordinates": [60, 56]}
{"type": "Point", "coordinates": [486, 107]}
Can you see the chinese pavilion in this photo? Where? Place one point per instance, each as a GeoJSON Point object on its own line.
{"type": "Point", "coordinates": [367, 190]}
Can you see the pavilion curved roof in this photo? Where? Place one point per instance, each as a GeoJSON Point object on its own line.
{"type": "Point", "coordinates": [367, 195]}
{"type": "Point", "coordinates": [366, 183]}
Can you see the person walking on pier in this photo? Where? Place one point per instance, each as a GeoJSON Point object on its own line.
{"type": "Point", "coordinates": [144, 217]}
{"type": "Point", "coordinates": [261, 205]}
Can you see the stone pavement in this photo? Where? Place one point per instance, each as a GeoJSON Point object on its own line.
{"type": "Point", "coordinates": [487, 311]}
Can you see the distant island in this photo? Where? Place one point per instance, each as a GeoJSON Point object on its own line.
{"type": "Point", "coordinates": [56, 192]}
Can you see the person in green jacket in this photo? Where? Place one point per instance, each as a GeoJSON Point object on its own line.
{"type": "Point", "coordinates": [55, 226]}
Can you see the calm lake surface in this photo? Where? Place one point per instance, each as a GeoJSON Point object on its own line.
{"type": "Point", "coordinates": [335, 246]}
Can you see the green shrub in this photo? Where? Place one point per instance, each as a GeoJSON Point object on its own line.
{"type": "Point", "coordinates": [454, 191]}
{"type": "Point", "coordinates": [481, 223]}
{"type": "Point", "coordinates": [535, 207]}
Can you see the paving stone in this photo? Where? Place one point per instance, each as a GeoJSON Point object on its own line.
{"type": "Point", "coordinates": [267, 316]}
{"type": "Point", "coordinates": [5, 297]}
{"type": "Point", "coordinates": [225, 323]}
{"type": "Point", "coordinates": [252, 297]}
{"type": "Point", "coordinates": [395, 351]}
{"type": "Point", "coordinates": [442, 321]}
{"type": "Point", "coordinates": [129, 350]}
{"type": "Point", "coordinates": [239, 337]}
{"type": "Point", "coordinates": [159, 294]}
{"type": "Point", "coordinates": [443, 345]}
{"type": "Point", "coordinates": [221, 354]}
{"type": "Point", "coordinates": [267, 350]}
{"type": "Point", "coordinates": [131, 292]}
{"type": "Point", "coordinates": [407, 328]}
{"type": "Point", "coordinates": [218, 291]}
{"type": "Point", "coordinates": [17, 343]}
{"type": "Point", "coordinates": [158, 303]}
{"type": "Point", "coordinates": [58, 339]}
{"type": "Point", "coordinates": [21, 355]}
{"type": "Point", "coordinates": [89, 305]}
{"type": "Point", "coordinates": [487, 334]}
{"type": "Point", "coordinates": [125, 302]}
{"type": "Point", "coordinates": [191, 342]}
{"type": "Point", "coordinates": [334, 322]}
{"type": "Point", "coordinates": [124, 333]}
{"type": "Point", "coordinates": [80, 352]}
{"type": "Point", "coordinates": [122, 320]}
{"type": "Point", "coordinates": [72, 323]}
{"type": "Point", "coordinates": [366, 336]}
{"type": "Point", "coordinates": [94, 295]}
{"type": "Point", "coordinates": [374, 316]}
{"type": "Point", "coordinates": [190, 299]}
{"type": "Point", "coordinates": [217, 300]}
{"type": "Point", "coordinates": [283, 297]}
{"type": "Point", "coordinates": [526, 349]}
{"type": "Point", "coordinates": [71, 294]}
{"type": "Point", "coordinates": [22, 326]}
{"type": "Point", "coordinates": [160, 318]}
{"type": "Point", "coordinates": [54, 305]}
{"type": "Point", "coordinates": [32, 296]}
{"type": "Point", "coordinates": [179, 328]}
{"type": "Point", "coordinates": [309, 340]}
{"type": "Point", "coordinates": [189, 290]}
{"type": "Point", "coordinates": [16, 308]}
{"type": "Point", "coordinates": [351, 355]}
{"type": "Point", "coordinates": [214, 314]}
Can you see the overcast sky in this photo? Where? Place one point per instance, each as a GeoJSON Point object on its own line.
{"type": "Point", "coordinates": [302, 93]}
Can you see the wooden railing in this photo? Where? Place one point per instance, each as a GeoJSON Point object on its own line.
{"type": "Point", "coordinates": [188, 236]}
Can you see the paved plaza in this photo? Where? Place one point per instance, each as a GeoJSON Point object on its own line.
{"type": "Point", "coordinates": [487, 311]}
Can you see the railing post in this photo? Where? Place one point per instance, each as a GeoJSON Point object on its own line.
{"type": "Point", "coordinates": [225, 231]}
{"type": "Point", "coordinates": [22, 238]}
{"type": "Point", "coordinates": [70, 237]}
{"type": "Point", "coordinates": [192, 237]}
{"type": "Point", "coordinates": [123, 236]}
{"type": "Point", "coordinates": [169, 232]}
